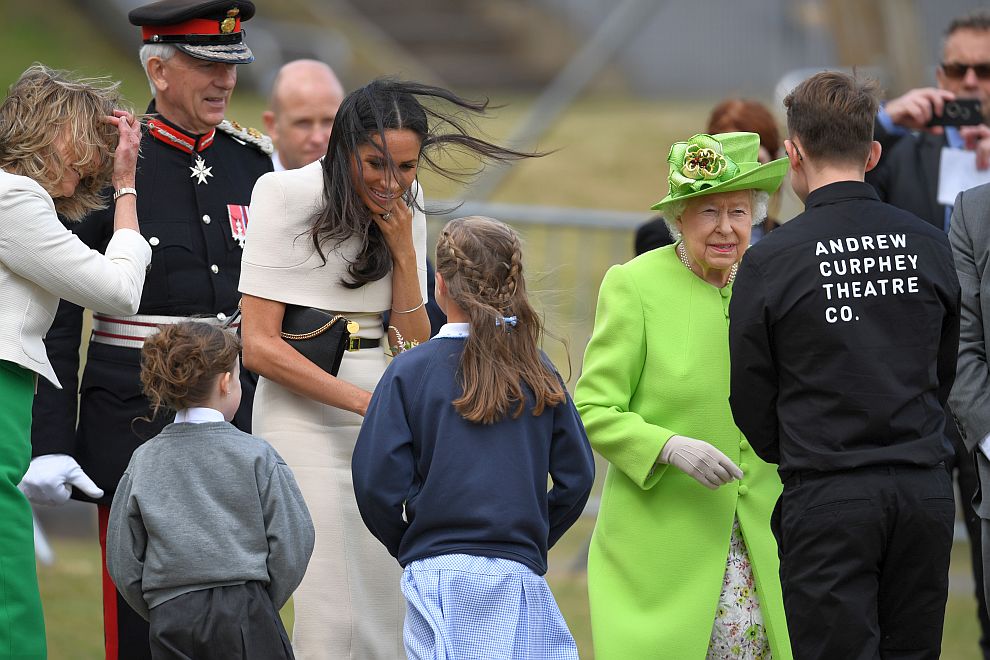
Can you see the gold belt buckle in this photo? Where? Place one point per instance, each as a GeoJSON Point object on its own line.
{"type": "Point", "coordinates": [353, 344]}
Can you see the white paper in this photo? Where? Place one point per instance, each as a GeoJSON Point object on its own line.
{"type": "Point", "coordinates": [957, 172]}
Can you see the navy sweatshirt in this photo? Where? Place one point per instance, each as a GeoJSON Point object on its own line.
{"type": "Point", "coordinates": [477, 489]}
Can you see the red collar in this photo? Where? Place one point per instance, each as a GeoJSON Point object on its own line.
{"type": "Point", "coordinates": [176, 138]}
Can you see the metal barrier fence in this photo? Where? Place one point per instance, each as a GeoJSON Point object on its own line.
{"type": "Point", "coordinates": [566, 252]}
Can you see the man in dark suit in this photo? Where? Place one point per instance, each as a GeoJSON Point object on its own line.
{"type": "Point", "coordinates": [969, 235]}
{"type": "Point", "coordinates": [908, 176]}
{"type": "Point", "coordinates": [194, 183]}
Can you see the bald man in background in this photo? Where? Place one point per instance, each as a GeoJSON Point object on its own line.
{"type": "Point", "coordinates": [304, 101]}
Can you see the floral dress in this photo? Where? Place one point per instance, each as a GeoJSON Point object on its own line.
{"type": "Point", "coordinates": [738, 632]}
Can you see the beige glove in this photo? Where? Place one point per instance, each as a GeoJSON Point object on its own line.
{"type": "Point", "coordinates": [700, 460]}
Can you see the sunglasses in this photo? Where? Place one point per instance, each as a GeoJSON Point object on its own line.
{"type": "Point", "coordinates": [958, 70]}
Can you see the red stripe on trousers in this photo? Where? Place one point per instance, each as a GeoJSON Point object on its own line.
{"type": "Point", "coordinates": [109, 590]}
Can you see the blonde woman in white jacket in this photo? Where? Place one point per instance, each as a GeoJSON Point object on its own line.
{"type": "Point", "coordinates": [62, 141]}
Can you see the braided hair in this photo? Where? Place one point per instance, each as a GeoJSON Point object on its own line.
{"type": "Point", "coordinates": [480, 260]}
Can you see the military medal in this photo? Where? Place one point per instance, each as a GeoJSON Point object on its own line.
{"type": "Point", "coordinates": [200, 171]}
{"type": "Point", "coordinates": [238, 215]}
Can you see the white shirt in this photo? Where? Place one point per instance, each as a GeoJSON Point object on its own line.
{"type": "Point", "coordinates": [985, 445]}
{"type": "Point", "coordinates": [453, 330]}
{"type": "Point", "coordinates": [198, 416]}
{"type": "Point", "coordinates": [277, 162]}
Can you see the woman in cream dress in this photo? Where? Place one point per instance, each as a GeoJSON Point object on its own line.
{"type": "Point", "coordinates": [346, 234]}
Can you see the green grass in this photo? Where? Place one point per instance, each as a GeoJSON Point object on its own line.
{"type": "Point", "coordinates": [71, 594]}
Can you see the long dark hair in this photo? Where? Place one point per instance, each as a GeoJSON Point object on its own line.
{"type": "Point", "coordinates": [381, 105]}
{"type": "Point", "coordinates": [480, 260]}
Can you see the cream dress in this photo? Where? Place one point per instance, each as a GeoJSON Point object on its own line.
{"type": "Point", "coordinates": [349, 605]}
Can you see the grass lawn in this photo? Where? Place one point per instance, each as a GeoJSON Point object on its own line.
{"type": "Point", "coordinates": [71, 592]}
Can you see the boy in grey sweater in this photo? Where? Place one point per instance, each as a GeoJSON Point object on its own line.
{"type": "Point", "coordinates": [208, 534]}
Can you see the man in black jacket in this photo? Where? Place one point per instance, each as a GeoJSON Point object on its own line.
{"type": "Point", "coordinates": [844, 326]}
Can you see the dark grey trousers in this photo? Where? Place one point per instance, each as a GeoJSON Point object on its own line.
{"type": "Point", "coordinates": [223, 623]}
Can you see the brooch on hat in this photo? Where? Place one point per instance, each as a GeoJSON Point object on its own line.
{"type": "Point", "coordinates": [698, 164]}
{"type": "Point", "coordinates": [703, 163]}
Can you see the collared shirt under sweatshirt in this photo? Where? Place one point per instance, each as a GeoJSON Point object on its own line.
{"type": "Point", "coordinates": [844, 327]}
{"type": "Point", "coordinates": [205, 505]}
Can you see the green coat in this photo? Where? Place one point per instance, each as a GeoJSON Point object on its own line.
{"type": "Point", "coordinates": [657, 365]}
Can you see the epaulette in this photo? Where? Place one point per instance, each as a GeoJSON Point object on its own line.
{"type": "Point", "coordinates": [248, 136]}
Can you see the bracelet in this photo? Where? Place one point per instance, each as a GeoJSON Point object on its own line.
{"type": "Point", "coordinates": [407, 311]}
{"type": "Point", "coordinates": [120, 192]}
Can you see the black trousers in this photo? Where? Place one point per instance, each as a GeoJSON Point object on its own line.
{"type": "Point", "coordinates": [238, 622]}
{"type": "Point", "coordinates": [864, 561]}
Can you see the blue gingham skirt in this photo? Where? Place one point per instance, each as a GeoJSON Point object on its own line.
{"type": "Point", "coordinates": [462, 607]}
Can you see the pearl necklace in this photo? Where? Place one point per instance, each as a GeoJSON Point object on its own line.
{"type": "Point", "coordinates": [682, 254]}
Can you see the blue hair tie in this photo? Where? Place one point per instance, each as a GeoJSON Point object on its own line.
{"type": "Point", "coordinates": [506, 320]}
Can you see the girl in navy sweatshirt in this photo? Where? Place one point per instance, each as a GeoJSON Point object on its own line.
{"type": "Point", "coordinates": [451, 464]}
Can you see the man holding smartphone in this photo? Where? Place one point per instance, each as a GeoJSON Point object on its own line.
{"type": "Point", "coordinates": [913, 130]}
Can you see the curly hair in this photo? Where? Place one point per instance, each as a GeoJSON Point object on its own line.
{"type": "Point", "coordinates": [46, 106]}
{"type": "Point", "coordinates": [480, 260]}
{"type": "Point", "coordinates": [180, 363]}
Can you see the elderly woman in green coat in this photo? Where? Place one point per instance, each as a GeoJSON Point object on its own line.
{"type": "Point", "coordinates": [682, 563]}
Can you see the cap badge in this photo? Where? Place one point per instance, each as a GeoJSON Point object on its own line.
{"type": "Point", "coordinates": [227, 25]}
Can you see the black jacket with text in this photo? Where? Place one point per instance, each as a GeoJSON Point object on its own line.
{"type": "Point", "coordinates": [844, 327]}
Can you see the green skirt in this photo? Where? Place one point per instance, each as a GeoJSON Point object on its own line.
{"type": "Point", "coordinates": [22, 624]}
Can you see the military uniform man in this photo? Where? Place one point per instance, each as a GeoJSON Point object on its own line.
{"type": "Point", "coordinates": [194, 184]}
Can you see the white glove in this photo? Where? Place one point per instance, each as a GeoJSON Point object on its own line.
{"type": "Point", "coordinates": [700, 460]}
{"type": "Point", "coordinates": [49, 480]}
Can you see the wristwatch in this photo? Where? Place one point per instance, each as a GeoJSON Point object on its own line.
{"type": "Point", "coordinates": [120, 192]}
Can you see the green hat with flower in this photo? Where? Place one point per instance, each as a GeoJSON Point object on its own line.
{"type": "Point", "coordinates": [709, 164]}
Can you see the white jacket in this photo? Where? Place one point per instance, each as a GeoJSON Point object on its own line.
{"type": "Point", "coordinates": [42, 261]}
